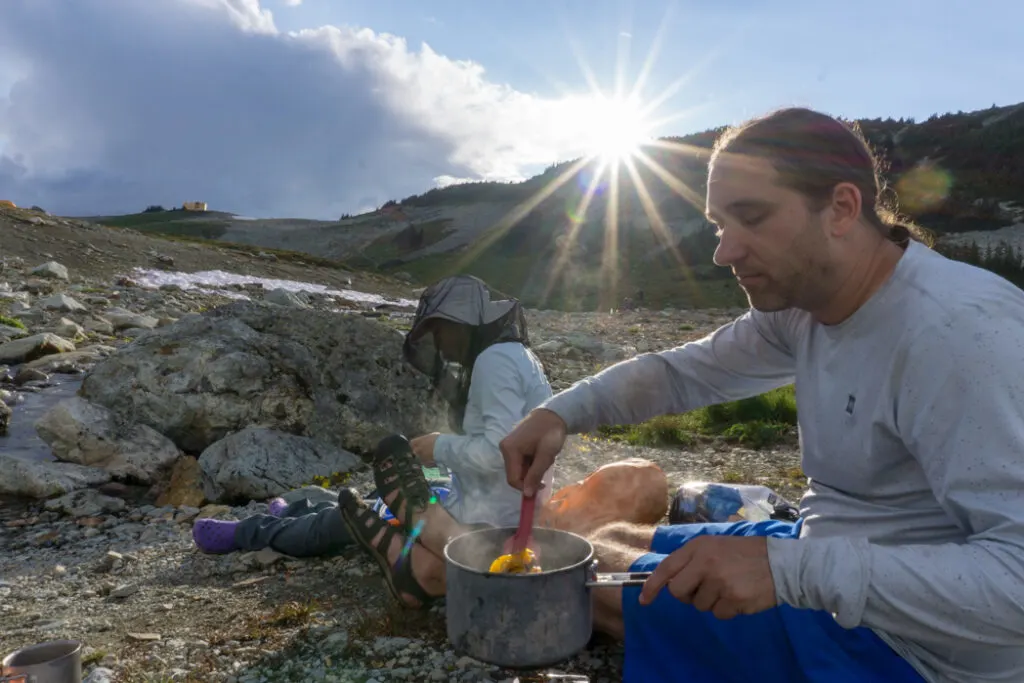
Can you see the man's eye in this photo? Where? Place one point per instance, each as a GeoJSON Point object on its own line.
{"type": "Point", "coordinates": [751, 221]}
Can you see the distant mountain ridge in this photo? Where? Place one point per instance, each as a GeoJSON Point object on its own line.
{"type": "Point", "coordinates": [542, 241]}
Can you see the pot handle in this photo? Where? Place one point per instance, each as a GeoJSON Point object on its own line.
{"type": "Point", "coordinates": [621, 579]}
{"type": "Point", "coordinates": [596, 580]}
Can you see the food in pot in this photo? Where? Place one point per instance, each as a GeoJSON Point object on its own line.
{"type": "Point", "coordinates": [524, 562]}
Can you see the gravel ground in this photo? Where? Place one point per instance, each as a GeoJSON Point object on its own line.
{"type": "Point", "coordinates": [149, 607]}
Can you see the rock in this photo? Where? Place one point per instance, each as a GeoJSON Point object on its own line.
{"type": "Point", "coordinates": [20, 298]}
{"type": "Point", "coordinates": [98, 325]}
{"type": "Point", "coordinates": [124, 590]}
{"type": "Point", "coordinates": [315, 494]}
{"type": "Point", "coordinates": [99, 675]}
{"type": "Point", "coordinates": [267, 556]}
{"type": "Point", "coordinates": [5, 418]}
{"type": "Point", "coordinates": [38, 286]}
{"type": "Point", "coordinates": [123, 320]}
{"type": "Point", "coordinates": [51, 269]}
{"type": "Point", "coordinates": [143, 637]}
{"type": "Point", "coordinates": [60, 302]}
{"type": "Point", "coordinates": [65, 362]}
{"type": "Point", "coordinates": [84, 503]}
{"type": "Point", "coordinates": [214, 511]}
{"type": "Point", "coordinates": [88, 434]}
{"type": "Point", "coordinates": [34, 479]}
{"type": "Point", "coordinates": [115, 489]}
{"type": "Point", "coordinates": [7, 332]}
{"type": "Point", "coordinates": [334, 377]}
{"type": "Point", "coordinates": [31, 348]}
{"type": "Point", "coordinates": [258, 463]}
{"type": "Point", "coordinates": [68, 329]}
{"type": "Point", "coordinates": [26, 375]}
{"type": "Point", "coordinates": [186, 485]}
{"type": "Point", "coordinates": [283, 297]}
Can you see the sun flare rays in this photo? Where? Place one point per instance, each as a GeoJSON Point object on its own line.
{"type": "Point", "coordinates": [623, 166]}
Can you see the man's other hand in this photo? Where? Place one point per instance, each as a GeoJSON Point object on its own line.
{"type": "Point", "coordinates": [726, 575]}
{"type": "Point", "coordinates": [530, 449]}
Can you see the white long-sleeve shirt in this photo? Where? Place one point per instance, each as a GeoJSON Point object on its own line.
{"type": "Point", "coordinates": [507, 383]}
{"type": "Point", "coordinates": [911, 417]}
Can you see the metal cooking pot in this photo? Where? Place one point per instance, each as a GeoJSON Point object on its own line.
{"type": "Point", "coordinates": [523, 621]}
{"type": "Point", "coordinates": [58, 661]}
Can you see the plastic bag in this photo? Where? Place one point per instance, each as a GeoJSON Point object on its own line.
{"type": "Point", "coordinates": [698, 501]}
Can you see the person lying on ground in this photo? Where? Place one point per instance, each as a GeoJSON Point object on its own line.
{"type": "Point", "coordinates": [908, 563]}
{"type": "Point", "coordinates": [496, 380]}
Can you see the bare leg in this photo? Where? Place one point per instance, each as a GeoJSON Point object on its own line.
{"type": "Point", "coordinates": [428, 569]}
{"type": "Point", "coordinates": [438, 527]}
{"type": "Point", "coordinates": [617, 547]}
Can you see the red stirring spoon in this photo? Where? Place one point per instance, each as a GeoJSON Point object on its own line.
{"type": "Point", "coordinates": [523, 538]}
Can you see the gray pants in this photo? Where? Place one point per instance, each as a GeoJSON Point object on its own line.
{"type": "Point", "coordinates": [304, 529]}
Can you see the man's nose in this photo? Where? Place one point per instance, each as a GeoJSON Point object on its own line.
{"type": "Point", "coordinates": [730, 249]}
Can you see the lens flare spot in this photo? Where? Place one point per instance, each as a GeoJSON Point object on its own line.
{"type": "Point", "coordinates": [407, 548]}
{"type": "Point", "coordinates": [923, 187]}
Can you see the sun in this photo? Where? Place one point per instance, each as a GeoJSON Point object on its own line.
{"type": "Point", "coordinates": [615, 129]}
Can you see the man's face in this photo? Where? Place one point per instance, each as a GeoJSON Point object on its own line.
{"type": "Point", "coordinates": [768, 235]}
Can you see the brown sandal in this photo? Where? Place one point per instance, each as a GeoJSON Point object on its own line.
{"type": "Point", "coordinates": [363, 524]}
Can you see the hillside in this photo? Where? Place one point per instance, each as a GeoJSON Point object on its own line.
{"type": "Point", "coordinates": [540, 240]}
{"type": "Point", "coordinates": [98, 251]}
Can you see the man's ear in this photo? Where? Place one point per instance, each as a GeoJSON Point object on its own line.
{"type": "Point", "coordinates": [845, 208]}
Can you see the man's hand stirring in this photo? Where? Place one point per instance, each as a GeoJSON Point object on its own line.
{"type": "Point", "coordinates": [530, 449]}
{"type": "Point", "coordinates": [726, 575]}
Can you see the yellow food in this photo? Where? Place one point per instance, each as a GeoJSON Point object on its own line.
{"type": "Point", "coordinates": [516, 563]}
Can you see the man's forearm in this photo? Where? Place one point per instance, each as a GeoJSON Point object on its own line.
{"type": "Point", "coordinates": [941, 596]}
{"type": "Point", "coordinates": [626, 393]}
{"type": "Point", "coordinates": [740, 359]}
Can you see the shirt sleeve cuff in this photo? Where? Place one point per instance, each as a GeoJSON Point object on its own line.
{"type": "Point", "coordinates": [569, 406]}
{"type": "Point", "coordinates": [443, 448]}
{"type": "Point", "coordinates": [828, 574]}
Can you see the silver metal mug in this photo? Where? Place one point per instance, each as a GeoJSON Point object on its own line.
{"type": "Point", "coordinates": [58, 661]}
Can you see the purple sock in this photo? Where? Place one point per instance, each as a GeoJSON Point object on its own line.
{"type": "Point", "coordinates": [214, 535]}
{"type": "Point", "coordinates": [276, 506]}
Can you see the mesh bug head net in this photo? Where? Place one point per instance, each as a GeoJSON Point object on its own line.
{"type": "Point", "coordinates": [483, 314]}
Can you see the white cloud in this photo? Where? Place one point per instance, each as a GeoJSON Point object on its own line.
{"type": "Point", "coordinates": [446, 180]}
{"type": "Point", "coordinates": [119, 104]}
{"type": "Point", "coordinates": [292, 3]}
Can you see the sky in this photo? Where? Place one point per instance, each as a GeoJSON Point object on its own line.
{"type": "Point", "coordinates": [314, 108]}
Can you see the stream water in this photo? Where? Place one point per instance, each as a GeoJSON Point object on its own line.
{"type": "Point", "coordinates": [21, 440]}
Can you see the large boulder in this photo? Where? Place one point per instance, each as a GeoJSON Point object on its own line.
{"type": "Point", "coordinates": [257, 463]}
{"type": "Point", "coordinates": [338, 378]}
{"type": "Point", "coordinates": [88, 434]}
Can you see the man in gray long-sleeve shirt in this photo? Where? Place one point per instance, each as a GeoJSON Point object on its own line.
{"type": "Point", "coordinates": [908, 563]}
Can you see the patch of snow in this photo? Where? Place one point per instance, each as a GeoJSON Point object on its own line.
{"type": "Point", "coordinates": [216, 282]}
